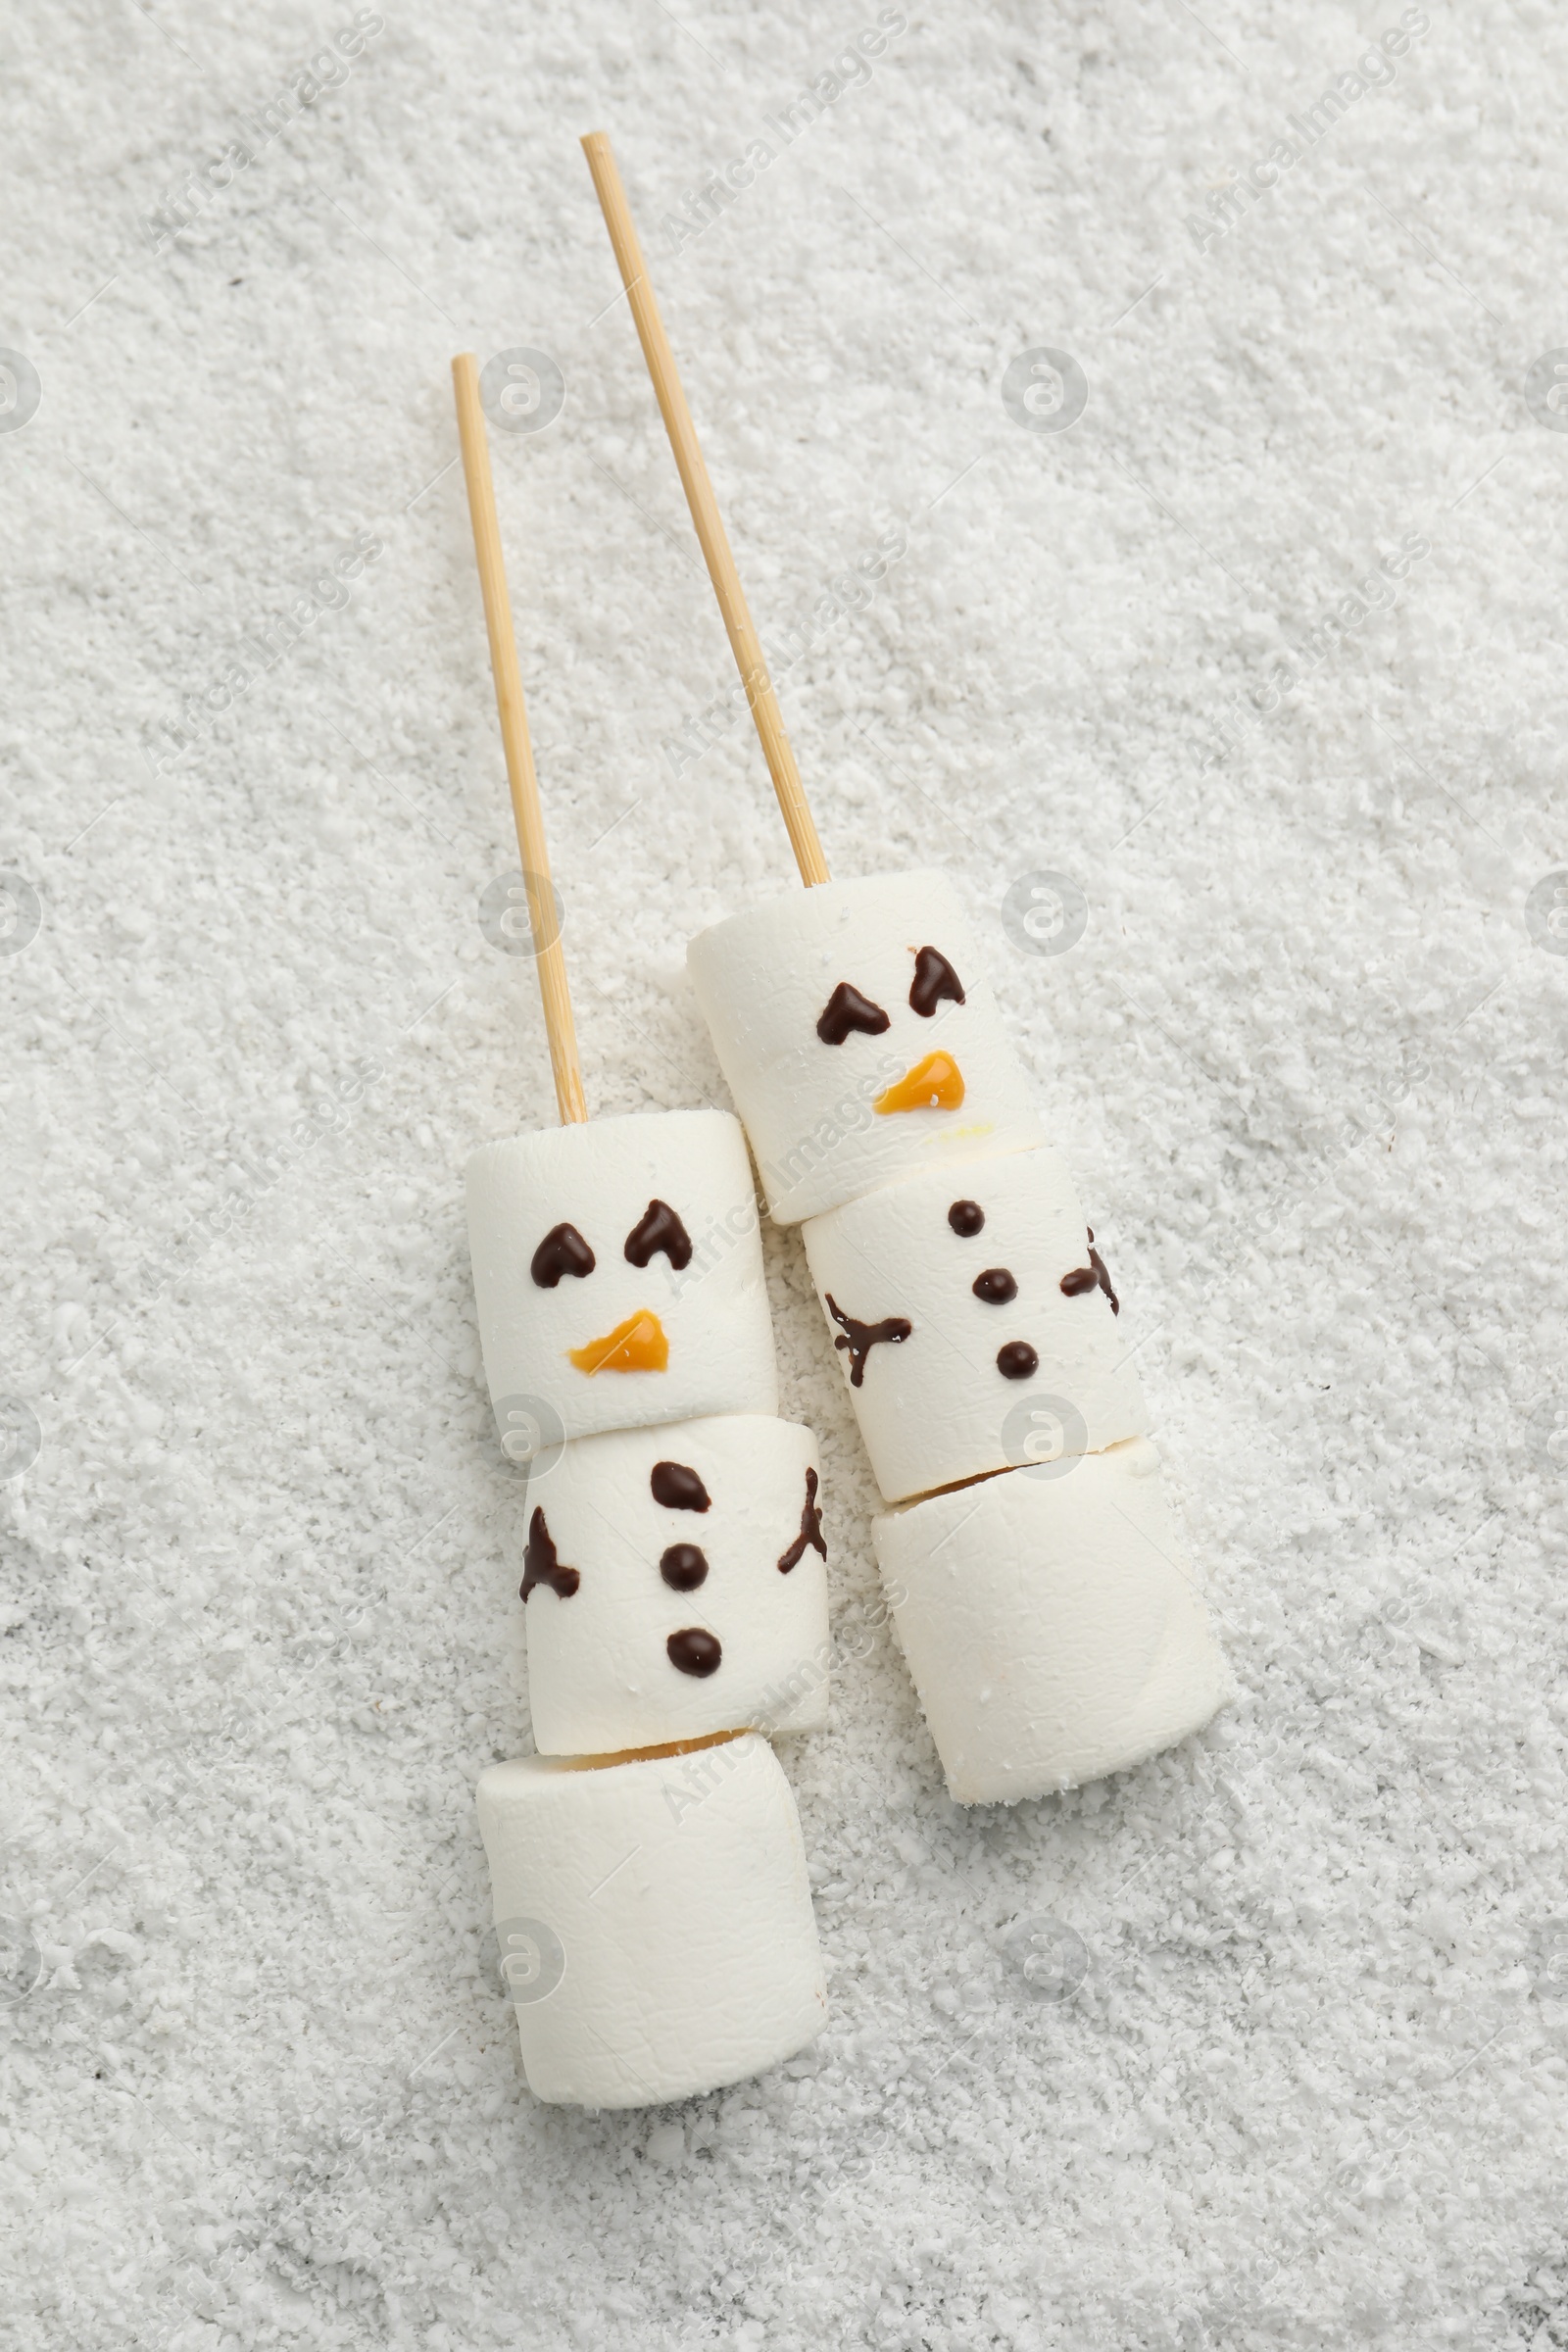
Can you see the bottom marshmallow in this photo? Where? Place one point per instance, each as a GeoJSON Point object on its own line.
{"type": "Point", "coordinates": [1050, 1623]}
{"type": "Point", "coordinates": [654, 1918]}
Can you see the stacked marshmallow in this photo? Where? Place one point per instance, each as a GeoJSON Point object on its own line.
{"type": "Point", "coordinates": [648, 1872]}
{"type": "Point", "coordinates": [1053, 1627]}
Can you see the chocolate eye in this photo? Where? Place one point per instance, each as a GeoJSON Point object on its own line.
{"type": "Point", "coordinates": [562, 1251]}
{"type": "Point", "coordinates": [659, 1228]}
{"type": "Point", "coordinates": [847, 1010]}
{"type": "Point", "coordinates": [967, 1218]}
{"type": "Point", "coordinates": [934, 979]}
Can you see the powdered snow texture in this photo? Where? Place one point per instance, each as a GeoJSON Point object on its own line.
{"type": "Point", "coordinates": [1263, 656]}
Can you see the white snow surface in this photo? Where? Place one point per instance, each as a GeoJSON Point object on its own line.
{"type": "Point", "coordinates": [1293, 2072]}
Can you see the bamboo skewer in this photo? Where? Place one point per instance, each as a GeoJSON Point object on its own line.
{"type": "Point", "coordinates": [532, 845]}
{"type": "Point", "coordinates": [745, 644]}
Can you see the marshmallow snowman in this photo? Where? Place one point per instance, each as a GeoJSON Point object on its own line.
{"type": "Point", "coordinates": [617, 1268]}
{"type": "Point", "coordinates": [978, 1327]}
{"type": "Point", "coordinates": [676, 1584]}
{"type": "Point", "coordinates": [675, 1598]}
{"type": "Point", "coordinates": [859, 1039]}
{"type": "Point", "coordinates": [966, 1321]}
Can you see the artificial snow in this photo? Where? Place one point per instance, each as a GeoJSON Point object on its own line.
{"type": "Point", "coordinates": [1260, 655]}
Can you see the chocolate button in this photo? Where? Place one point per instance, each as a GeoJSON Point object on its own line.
{"type": "Point", "coordinates": [683, 1567]}
{"type": "Point", "coordinates": [678, 1487]}
{"type": "Point", "coordinates": [694, 1651]}
{"type": "Point", "coordinates": [994, 1285]}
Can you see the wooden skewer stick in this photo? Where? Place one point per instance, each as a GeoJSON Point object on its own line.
{"type": "Point", "coordinates": [745, 644]}
{"type": "Point", "coordinates": [532, 845]}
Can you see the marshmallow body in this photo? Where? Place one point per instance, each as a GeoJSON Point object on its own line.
{"type": "Point", "coordinates": [704, 1528]}
{"type": "Point", "coordinates": [972, 1260]}
{"type": "Point", "coordinates": [552, 1217]}
{"type": "Point", "coordinates": [879, 965]}
{"type": "Point", "coordinates": [1050, 1623]}
{"type": "Point", "coordinates": [656, 1921]}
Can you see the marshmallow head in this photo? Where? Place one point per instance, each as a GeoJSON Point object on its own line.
{"type": "Point", "coordinates": [1051, 1624]}
{"type": "Point", "coordinates": [618, 1273]}
{"type": "Point", "coordinates": [975, 1322]}
{"type": "Point", "coordinates": [654, 1920]}
{"type": "Point", "coordinates": [859, 1039]}
{"type": "Point", "coordinates": [676, 1585]}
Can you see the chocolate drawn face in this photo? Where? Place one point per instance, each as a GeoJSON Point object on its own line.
{"type": "Point", "coordinates": [562, 1251]}
{"type": "Point", "coordinates": [935, 982]}
{"type": "Point", "coordinates": [683, 1584]}
{"type": "Point", "coordinates": [935, 1081]}
{"type": "Point", "coordinates": [638, 1343]}
{"type": "Point", "coordinates": [659, 1228]}
{"type": "Point", "coordinates": [617, 1273]}
{"type": "Point", "coordinates": [994, 1287]}
{"type": "Point", "coordinates": [998, 1286]}
{"type": "Point", "coordinates": [860, 1040]}
{"type": "Point", "coordinates": [847, 1011]}
{"type": "Point", "coordinates": [987, 1298]}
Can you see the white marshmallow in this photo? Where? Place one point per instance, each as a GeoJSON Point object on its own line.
{"type": "Point", "coordinates": [601, 1674]}
{"type": "Point", "coordinates": [1050, 1623]}
{"type": "Point", "coordinates": [935, 1407]}
{"type": "Point", "coordinates": [600, 1179]}
{"type": "Point", "coordinates": [763, 979]}
{"type": "Point", "coordinates": [655, 1918]}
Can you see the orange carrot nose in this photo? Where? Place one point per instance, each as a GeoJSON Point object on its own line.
{"type": "Point", "coordinates": [638, 1344]}
{"type": "Point", "coordinates": [935, 1084]}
